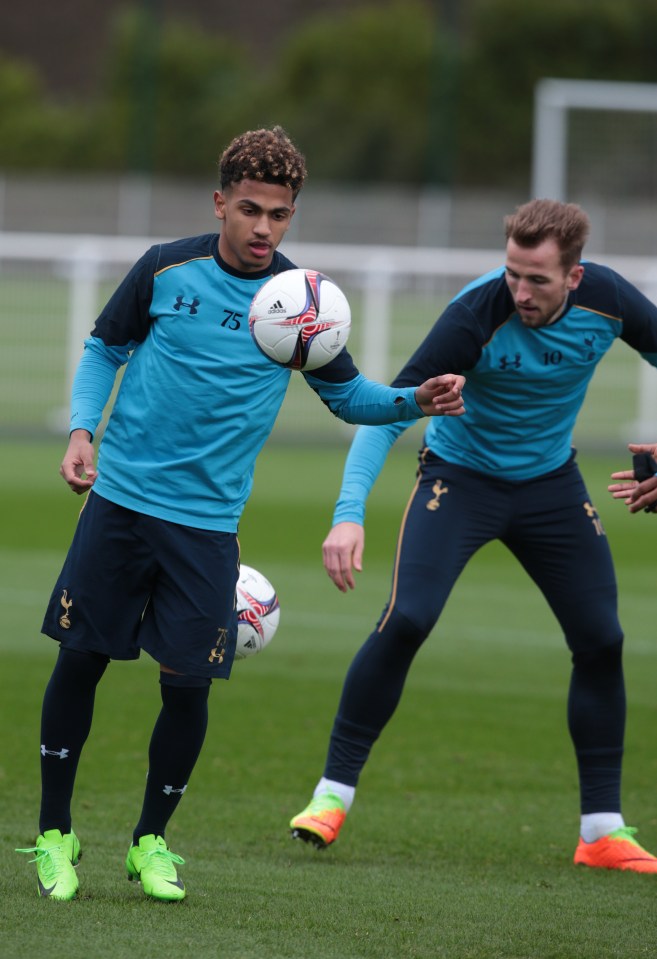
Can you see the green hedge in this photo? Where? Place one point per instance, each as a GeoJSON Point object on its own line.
{"type": "Point", "coordinates": [398, 92]}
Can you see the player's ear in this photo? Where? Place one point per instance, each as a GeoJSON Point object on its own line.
{"type": "Point", "coordinates": [219, 205]}
{"type": "Point", "coordinates": [575, 275]}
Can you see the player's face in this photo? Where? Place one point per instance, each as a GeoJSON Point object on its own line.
{"type": "Point", "coordinates": [255, 218]}
{"type": "Point", "coordinates": [538, 282]}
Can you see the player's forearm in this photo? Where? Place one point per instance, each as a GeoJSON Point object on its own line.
{"type": "Point", "coordinates": [92, 386]}
{"type": "Point", "coordinates": [364, 462]}
{"type": "Point", "coordinates": [364, 401]}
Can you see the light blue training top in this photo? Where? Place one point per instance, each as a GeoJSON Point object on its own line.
{"type": "Point", "coordinates": [197, 399]}
{"type": "Point", "coordinates": [524, 387]}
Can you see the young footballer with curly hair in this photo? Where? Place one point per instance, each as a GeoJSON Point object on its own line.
{"type": "Point", "coordinates": [155, 557]}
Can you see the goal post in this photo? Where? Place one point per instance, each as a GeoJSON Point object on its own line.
{"type": "Point", "coordinates": [554, 101]}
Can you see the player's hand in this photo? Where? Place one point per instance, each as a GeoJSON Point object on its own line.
{"type": "Point", "coordinates": [342, 551]}
{"type": "Point", "coordinates": [441, 395]}
{"type": "Point", "coordinates": [637, 495]}
{"type": "Point", "coordinates": [77, 466]}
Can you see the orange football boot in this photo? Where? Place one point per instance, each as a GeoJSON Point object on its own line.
{"type": "Point", "coordinates": [616, 850]}
{"type": "Point", "coordinates": [321, 820]}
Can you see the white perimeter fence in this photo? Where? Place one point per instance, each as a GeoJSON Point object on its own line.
{"type": "Point", "coordinates": [53, 286]}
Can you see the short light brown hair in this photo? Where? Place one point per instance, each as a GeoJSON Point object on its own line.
{"type": "Point", "coordinates": [540, 220]}
{"type": "Point", "coordinates": [266, 155]}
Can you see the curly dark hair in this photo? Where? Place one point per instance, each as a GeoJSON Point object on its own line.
{"type": "Point", "coordinates": [267, 155]}
{"type": "Point", "coordinates": [540, 220]}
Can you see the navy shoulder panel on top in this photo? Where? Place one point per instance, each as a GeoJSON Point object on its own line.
{"type": "Point", "coordinates": [126, 316]}
{"type": "Point", "coordinates": [455, 342]}
{"type": "Point", "coordinates": [183, 250]}
{"type": "Point", "coordinates": [606, 292]}
{"type": "Point", "coordinates": [598, 290]}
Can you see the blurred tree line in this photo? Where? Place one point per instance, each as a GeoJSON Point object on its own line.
{"type": "Point", "coordinates": [406, 91]}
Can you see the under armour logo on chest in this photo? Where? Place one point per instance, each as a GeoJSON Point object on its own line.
{"type": "Point", "coordinates": [181, 303]}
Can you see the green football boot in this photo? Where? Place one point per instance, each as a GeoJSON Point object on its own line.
{"type": "Point", "coordinates": [154, 865]}
{"type": "Point", "coordinates": [56, 857]}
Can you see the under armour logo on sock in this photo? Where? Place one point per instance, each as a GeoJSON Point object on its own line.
{"type": "Point", "coordinates": [169, 789]}
{"type": "Point", "coordinates": [62, 753]}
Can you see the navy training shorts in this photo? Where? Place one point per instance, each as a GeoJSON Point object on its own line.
{"type": "Point", "coordinates": [132, 582]}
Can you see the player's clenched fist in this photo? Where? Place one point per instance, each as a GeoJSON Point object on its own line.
{"type": "Point", "coordinates": [441, 395]}
{"type": "Point", "coordinates": [77, 467]}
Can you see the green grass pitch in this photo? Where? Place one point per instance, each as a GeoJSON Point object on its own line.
{"type": "Point", "coordinates": [460, 843]}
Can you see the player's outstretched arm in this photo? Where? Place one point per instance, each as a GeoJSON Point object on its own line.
{"type": "Point", "coordinates": [342, 551]}
{"type": "Point", "coordinates": [441, 395]}
{"type": "Point", "coordinates": [638, 488]}
{"type": "Point", "coordinates": [77, 467]}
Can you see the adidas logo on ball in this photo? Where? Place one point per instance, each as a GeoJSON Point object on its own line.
{"type": "Point", "coordinates": [276, 307]}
